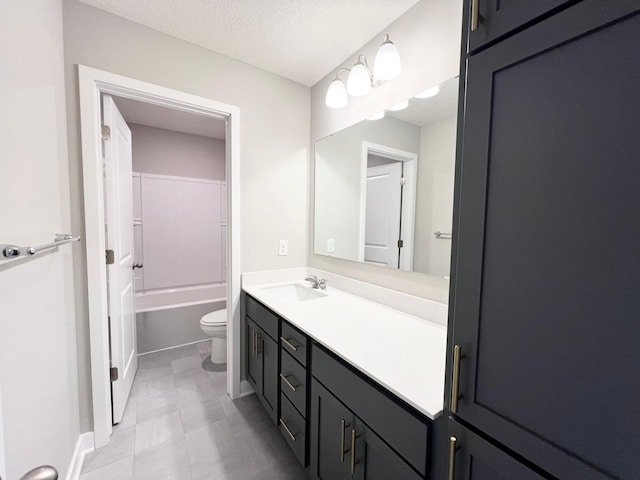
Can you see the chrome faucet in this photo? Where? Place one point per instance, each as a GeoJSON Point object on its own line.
{"type": "Point", "coordinates": [315, 283]}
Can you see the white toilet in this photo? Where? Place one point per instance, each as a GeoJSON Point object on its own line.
{"type": "Point", "coordinates": [215, 325]}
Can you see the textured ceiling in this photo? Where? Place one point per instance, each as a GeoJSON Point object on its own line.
{"type": "Point", "coordinates": [302, 40]}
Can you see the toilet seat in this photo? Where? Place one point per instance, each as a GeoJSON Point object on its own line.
{"type": "Point", "coordinates": [215, 319]}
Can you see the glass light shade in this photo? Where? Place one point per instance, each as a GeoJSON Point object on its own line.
{"type": "Point", "coordinates": [336, 95]}
{"type": "Point", "coordinates": [399, 106]}
{"type": "Point", "coordinates": [387, 63]}
{"type": "Point", "coordinates": [429, 92]}
{"type": "Point", "coordinates": [376, 116]}
{"type": "Point", "coordinates": [359, 81]}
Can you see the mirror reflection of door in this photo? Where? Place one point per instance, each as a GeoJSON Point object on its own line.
{"type": "Point", "coordinates": [383, 211]}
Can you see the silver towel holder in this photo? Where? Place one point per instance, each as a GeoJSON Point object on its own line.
{"type": "Point", "coordinates": [10, 252]}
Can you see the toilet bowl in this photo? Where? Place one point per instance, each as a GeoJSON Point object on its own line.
{"type": "Point", "coordinates": [215, 325]}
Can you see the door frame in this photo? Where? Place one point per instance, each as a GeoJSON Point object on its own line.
{"type": "Point", "coordinates": [92, 84]}
{"type": "Point", "coordinates": [410, 167]}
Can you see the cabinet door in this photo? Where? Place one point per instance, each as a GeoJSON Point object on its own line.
{"type": "Point", "coordinates": [331, 424]}
{"type": "Point", "coordinates": [269, 354]}
{"type": "Point", "coordinates": [476, 459]}
{"type": "Point", "coordinates": [254, 361]}
{"type": "Point", "coordinates": [373, 459]}
{"type": "Point", "coordinates": [497, 18]}
{"type": "Point", "coordinates": [547, 287]}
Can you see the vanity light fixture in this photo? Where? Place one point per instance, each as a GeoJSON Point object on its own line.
{"type": "Point", "coordinates": [429, 92]}
{"type": "Point", "coordinates": [337, 92]}
{"type": "Point", "coordinates": [376, 116]}
{"type": "Point", "coordinates": [360, 80]}
{"type": "Point", "coordinates": [399, 106]}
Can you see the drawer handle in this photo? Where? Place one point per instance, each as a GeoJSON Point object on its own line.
{"type": "Point", "coordinates": [293, 437]}
{"type": "Point", "coordinates": [453, 448]}
{"type": "Point", "coordinates": [353, 451]}
{"type": "Point", "coordinates": [343, 427]}
{"type": "Point", "coordinates": [455, 387]}
{"type": "Point", "coordinates": [289, 344]}
{"type": "Point", "coordinates": [474, 14]}
{"type": "Point", "coordinates": [286, 380]}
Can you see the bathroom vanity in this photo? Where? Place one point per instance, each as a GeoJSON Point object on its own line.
{"type": "Point", "coordinates": [355, 387]}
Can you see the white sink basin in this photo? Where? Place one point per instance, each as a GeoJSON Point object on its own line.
{"type": "Point", "coordinates": [295, 292]}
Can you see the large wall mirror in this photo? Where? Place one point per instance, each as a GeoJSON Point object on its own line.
{"type": "Point", "coordinates": [384, 188]}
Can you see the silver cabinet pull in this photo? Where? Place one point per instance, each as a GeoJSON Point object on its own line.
{"type": "Point", "coordinates": [474, 14]}
{"type": "Point", "coordinates": [353, 451]}
{"type": "Point", "coordinates": [293, 437]}
{"type": "Point", "coordinates": [45, 472]}
{"type": "Point", "coordinates": [455, 384]}
{"type": "Point", "coordinates": [452, 457]}
{"type": "Point", "coordinates": [286, 380]}
{"type": "Point", "coordinates": [288, 344]}
{"type": "Point", "coordinates": [343, 427]}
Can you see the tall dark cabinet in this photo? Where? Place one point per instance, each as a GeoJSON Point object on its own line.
{"type": "Point", "coordinates": [543, 362]}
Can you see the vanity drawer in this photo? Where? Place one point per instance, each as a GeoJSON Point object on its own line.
{"type": "Point", "coordinates": [266, 319]}
{"type": "Point", "coordinates": [293, 428]}
{"type": "Point", "coordinates": [406, 432]}
{"type": "Point", "coordinates": [293, 381]}
{"type": "Point", "coordinates": [294, 342]}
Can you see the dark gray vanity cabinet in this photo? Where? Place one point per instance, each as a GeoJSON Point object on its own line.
{"type": "Point", "coordinates": [262, 354]}
{"type": "Point", "coordinates": [490, 20]}
{"type": "Point", "coordinates": [294, 391]}
{"type": "Point", "coordinates": [350, 417]}
{"type": "Point", "coordinates": [544, 330]}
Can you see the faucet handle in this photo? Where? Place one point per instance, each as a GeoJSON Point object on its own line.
{"type": "Point", "coordinates": [322, 283]}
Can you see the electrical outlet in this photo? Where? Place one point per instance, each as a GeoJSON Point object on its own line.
{"type": "Point", "coordinates": [331, 245]}
{"type": "Point", "coordinates": [283, 247]}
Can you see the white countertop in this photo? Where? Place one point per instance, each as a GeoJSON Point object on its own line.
{"type": "Point", "coordinates": [403, 353]}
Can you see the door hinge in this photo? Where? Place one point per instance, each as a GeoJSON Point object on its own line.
{"type": "Point", "coordinates": [403, 181]}
{"type": "Point", "coordinates": [113, 373]}
{"type": "Point", "coordinates": [400, 244]}
{"type": "Point", "coordinates": [111, 257]}
{"type": "Point", "coordinates": [106, 132]}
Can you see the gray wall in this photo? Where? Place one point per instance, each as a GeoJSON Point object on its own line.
{"type": "Point", "coordinates": [428, 38]}
{"type": "Point", "coordinates": [38, 370]}
{"type": "Point", "coordinates": [274, 138]}
{"type": "Point", "coordinates": [165, 152]}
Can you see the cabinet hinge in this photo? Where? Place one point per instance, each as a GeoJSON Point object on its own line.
{"type": "Point", "coordinates": [111, 257]}
{"type": "Point", "coordinates": [400, 244]}
{"type": "Point", "coordinates": [403, 181]}
{"type": "Point", "coordinates": [106, 132]}
{"type": "Point", "coordinates": [113, 373]}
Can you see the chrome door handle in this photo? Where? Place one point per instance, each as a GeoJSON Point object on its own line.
{"type": "Point", "coordinates": [45, 472]}
{"type": "Point", "coordinates": [137, 265]}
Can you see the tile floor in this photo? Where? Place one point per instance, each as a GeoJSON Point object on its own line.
{"type": "Point", "coordinates": [180, 424]}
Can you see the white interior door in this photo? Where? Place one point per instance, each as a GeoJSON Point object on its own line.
{"type": "Point", "coordinates": [383, 213]}
{"type": "Point", "coordinates": [119, 238]}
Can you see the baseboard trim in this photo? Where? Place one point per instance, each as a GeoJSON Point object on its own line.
{"type": "Point", "coordinates": [245, 388]}
{"type": "Point", "coordinates": [84, 445]}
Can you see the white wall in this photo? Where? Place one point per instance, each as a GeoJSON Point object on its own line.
{"type": "Point", "coordinates": [165, 152]}
{"type": "Point", "coordinates": [339, 178]}
{"type": "Point", "coordinates": [274, 135]}
{"type": "Point", "coordinates": [428, 38]}
{"type": "Point", "coordinates": [434, 198]}
{"type": "Point", "coordinates": [38, 369]}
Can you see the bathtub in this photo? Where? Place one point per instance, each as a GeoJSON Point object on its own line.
{"type": "Point", "coordinates": [161, 299]}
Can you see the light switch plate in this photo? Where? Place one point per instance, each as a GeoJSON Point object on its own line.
{"type": "Point", "coordinates": [331, 245]}
{"type": "Point", "coordinates": [283, 247]}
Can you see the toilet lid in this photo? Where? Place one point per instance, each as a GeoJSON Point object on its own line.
{"type": "Point", "coordinates": [219, 317]}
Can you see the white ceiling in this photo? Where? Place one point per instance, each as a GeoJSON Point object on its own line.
{"type": "Point", "coordinates": [151, 115]}
{"type": "Point", "coordinates": [302, 40]}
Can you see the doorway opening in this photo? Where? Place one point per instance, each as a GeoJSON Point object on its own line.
{"type": "Point", "coordinates": [387, 206]}
{"type": "Point", "coordinates": [94, 84]}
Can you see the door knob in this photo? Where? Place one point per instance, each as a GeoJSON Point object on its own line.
{"type": "Point", "coordinates": [45, 472]}
{"type": "Point", "coordinates": [137, 265]}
